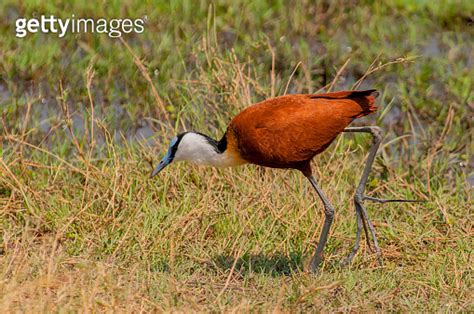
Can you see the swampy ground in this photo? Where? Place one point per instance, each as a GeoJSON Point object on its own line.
{"type": "Point", "coordinates": [84, 117]}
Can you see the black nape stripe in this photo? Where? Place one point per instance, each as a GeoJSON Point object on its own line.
{"type": "Point", "coordinates": [222, 145]}
{"type": "Point", "coordinates": [219, 146]}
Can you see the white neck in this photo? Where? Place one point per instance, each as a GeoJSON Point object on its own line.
{"type": "Point", "coordinates": [196, 148]}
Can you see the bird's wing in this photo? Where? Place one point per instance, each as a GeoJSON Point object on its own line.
{"type": "Point", "coordinates": [294, 128]}
{"type": "Point", "coordinates": [350, 94]}
{"type": "Point", "coordinates": [365, 99]}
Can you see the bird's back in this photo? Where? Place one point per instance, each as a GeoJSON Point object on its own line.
{"type": "Point", "coordinates": [287, 131]}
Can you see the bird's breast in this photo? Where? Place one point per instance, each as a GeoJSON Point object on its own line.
{"type": "Point", "coordinates": [232, 155]}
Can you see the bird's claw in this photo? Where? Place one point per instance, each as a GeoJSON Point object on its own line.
{"type": "Point", "coordinates": [364, 222]}
{"type": "Point", "coordinates": [347, 260]}
{"type": "Point", "coordinates": [383, 200]}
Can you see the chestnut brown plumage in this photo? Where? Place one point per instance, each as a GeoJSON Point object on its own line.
{"type": "Point", "coordinates": [287, 132]}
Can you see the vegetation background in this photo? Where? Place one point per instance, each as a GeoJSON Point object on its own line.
{"type": "Point", "coordinates": [84, 117]}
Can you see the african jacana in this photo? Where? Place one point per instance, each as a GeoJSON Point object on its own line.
{"type": "Point", "coordinates": [287, 132]}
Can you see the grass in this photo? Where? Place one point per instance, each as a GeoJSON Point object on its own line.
{"type": "Point", "coordinates": [84, 229]}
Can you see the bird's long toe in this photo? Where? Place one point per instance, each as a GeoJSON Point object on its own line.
{"type": "Point", "coordinates": [368, 226]}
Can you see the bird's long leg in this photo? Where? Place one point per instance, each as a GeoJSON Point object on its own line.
{"type": "Point", "coordinates": [361, 212]}
{"type": "Point", "coordinates": [359, 197]}
{"type": "Point", "coordinates": [329, 216]}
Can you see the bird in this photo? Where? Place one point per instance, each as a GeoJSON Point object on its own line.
{"type": "Point", "coordinates": [286, 132]}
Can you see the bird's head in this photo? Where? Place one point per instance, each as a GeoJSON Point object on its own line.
{"type": "Point", "coordinates": [190, 146]}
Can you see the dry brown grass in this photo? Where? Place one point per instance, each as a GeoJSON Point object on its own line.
{"type": "Point", "coordinates": [84, 229]}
